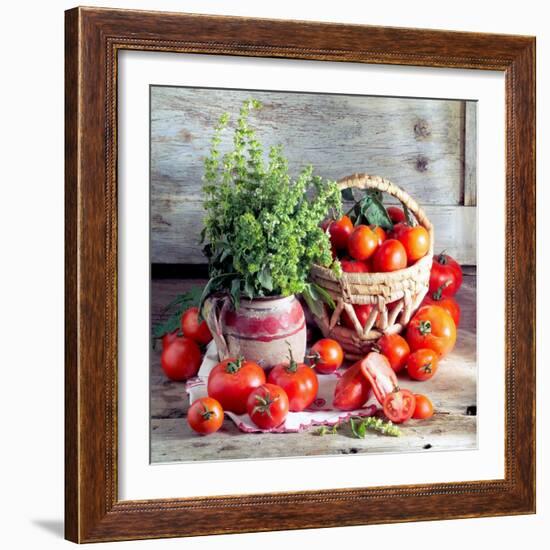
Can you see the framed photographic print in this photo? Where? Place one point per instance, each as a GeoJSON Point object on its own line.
{"type": "Point", "coordinates": [292, 264]}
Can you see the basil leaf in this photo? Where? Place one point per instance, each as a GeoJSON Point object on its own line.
{"type": "Point", "coordinates": [377, 214]}
{"type": "Point", "coordinates": [313, 300]}
{"type": "Point", "coordinates": [248, 290]}
{"type": "Point", "coordinates": [236, 292]}
{"type": "Point", "coordinates": [265, 279]}
{"type": "Point", "coordinates": [323, 295]}
{"type": "Point", "coordinates": [408, 215]}
{"type": "Point", "coordinates": [347, 194]}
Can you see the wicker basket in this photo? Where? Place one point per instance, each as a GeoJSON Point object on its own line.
{"type": "Point", "coordinates": [396, 295]}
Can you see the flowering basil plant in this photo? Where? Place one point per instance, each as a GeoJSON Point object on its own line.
{"type": "Point", "coordinates": [262, 226]}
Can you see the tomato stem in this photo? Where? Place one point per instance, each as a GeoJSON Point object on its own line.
{"type": "Point", "coordinates": [234, 366]}
{"type": "Point", "coordinates": [427, 368]}
{"type": "Point", "coordinates": [425, 327]}
{"type": "Point", "coordinates": [292, 365]}
{"type": "Point", "coordinates": [264, 403]}
{"type": "Point", "coordinates": [207, 414]}
{"type": "Point", "coordinates": [442, 258]}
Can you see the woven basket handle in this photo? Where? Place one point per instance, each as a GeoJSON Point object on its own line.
{"type": "Point", "coordinates": [364, 181]}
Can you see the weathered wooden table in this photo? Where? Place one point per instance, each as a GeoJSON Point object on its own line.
{"type": "Point", "coordinates": [452, 390]}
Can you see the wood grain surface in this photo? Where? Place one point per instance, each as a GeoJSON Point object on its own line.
{"type": "Point", "coordinates": [452, 391]}
{"type": "Point", "coordinates": [94, 511]}
{"type": "Point", "coordinates": [421, 145]}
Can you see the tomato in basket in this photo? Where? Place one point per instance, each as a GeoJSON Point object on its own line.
{"type": "Point", "coordinates": [362, 243]}
{"type": "Point", "coordinates": [390, 256]}
{"type": "Point", "coordinates": [416, 241]}
{"type": "Point", "coordinates": [339, 231]}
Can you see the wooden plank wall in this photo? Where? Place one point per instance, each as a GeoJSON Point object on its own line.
{"type": "Point", "coordinates": [428, 147]}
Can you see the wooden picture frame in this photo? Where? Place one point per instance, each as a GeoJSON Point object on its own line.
{"type": "Point", "coordinates": [93, 511]}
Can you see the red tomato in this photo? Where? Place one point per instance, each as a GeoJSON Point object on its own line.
{"type": "Point", "coordinates": [432, 327]}
{"type": "Point", "coordinates": [399, 406]}
{"type": "Point", "coordinates": [299, 382]}
{"type": "Point", "coordinates": [396, 214]}
{"type": "Point", "coordinates": [354, 266]}
{"type": "Point", "coordinates": [352, 389]}
{"type": "Point", "coordinates": [362, 311]}
{"type": "Point", "coordinates": [327, 355]}
{"type": "Point", "coordinates": [181, 359]}
{"type": "Point", "coordinates": [380, 233]}
{"type": "Point", "coordinates": [423, 408]}
{"type": "Point", "coordinates": [398, 228]}
{"type": "Point", "coordinates": [340, 231]}
{"type": "Point", "coordinates": [362, 243]}
{"type": "Point", "coordinates": [446, 275]}
{"type": "Point", "coordinates": [232, 380]}
{"type": "Point", "coordinates": [267, 406]}
{"type": "Point", "coordinates": [193, 329]}
{"type": "Point", "coordinates": [416, 241]}
{"type": "Point", "coordinates": [396, 349]}
{"type": "Point", "coordinates": [391, 256]}
{"type": "Point", "coordinates": [422, 364]}
{"type": "Point", "coordinates": [170, 337]}
{"type": "Point", "coordinates": [205, 415]}
{"type": "Point", "coordinates": [448, 304]}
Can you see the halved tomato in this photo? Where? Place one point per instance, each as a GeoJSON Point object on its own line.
{"type": "Point", "coordinates": [399, 406]}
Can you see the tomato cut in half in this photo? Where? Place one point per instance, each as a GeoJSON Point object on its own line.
{"type": "Point", "coordinates": [399, 406]}
{"type": "Point", "coordinates": [377, 370]}
{"type": "Point", "coordinates": [352, 389]}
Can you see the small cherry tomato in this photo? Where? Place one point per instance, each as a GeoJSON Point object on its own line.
{"type": "Point", "coordinates": [181, 359]}
{"type": "Point", "coordinates": [436, 298]}
{"type": "Point", "coordinates": [205, 415]}
{"type": "Point", "coordinates": [193, 329]}
{"type": "Point", "coordinates": [432, 327]}
{"type": "Point", "coordinates": [362, 243]}
{"type": "Point", "coordinates": [340, 230]}
{"type": "Point", "coordinates": [446, 274]}
{"type": "Point", "coordinates": [423, 408]}
{"type": "Point", "coordinates": [380, 233]}
{"type": "Point", "coordinates": [267, 406]}
{"type": "Point", "coordinates": [396, 349]}
{"type": "Point", "coordinates": [299, 382]}
{"type": "Point", "coordinates": [362, 311]}
{"type": "Point", "coordinates": [416, 241]}
{"type": "Point", "coordinates": [396, 214]}
{"type": "Point", "coordinates": [232, 380]}
{"type": "Point", "coordinates": [326, 355]}
{"type": "Point", "coordinates": [354, 266]}
{"type": "Point", "coordinates": [390, 256]}
{"type": "Point", "coordinates": [399, 406]}
{"type": "Point", "coordinates": [422, 364]}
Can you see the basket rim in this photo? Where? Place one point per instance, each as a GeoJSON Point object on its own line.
{"type": "Point", "coordinates": [377, 277]}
